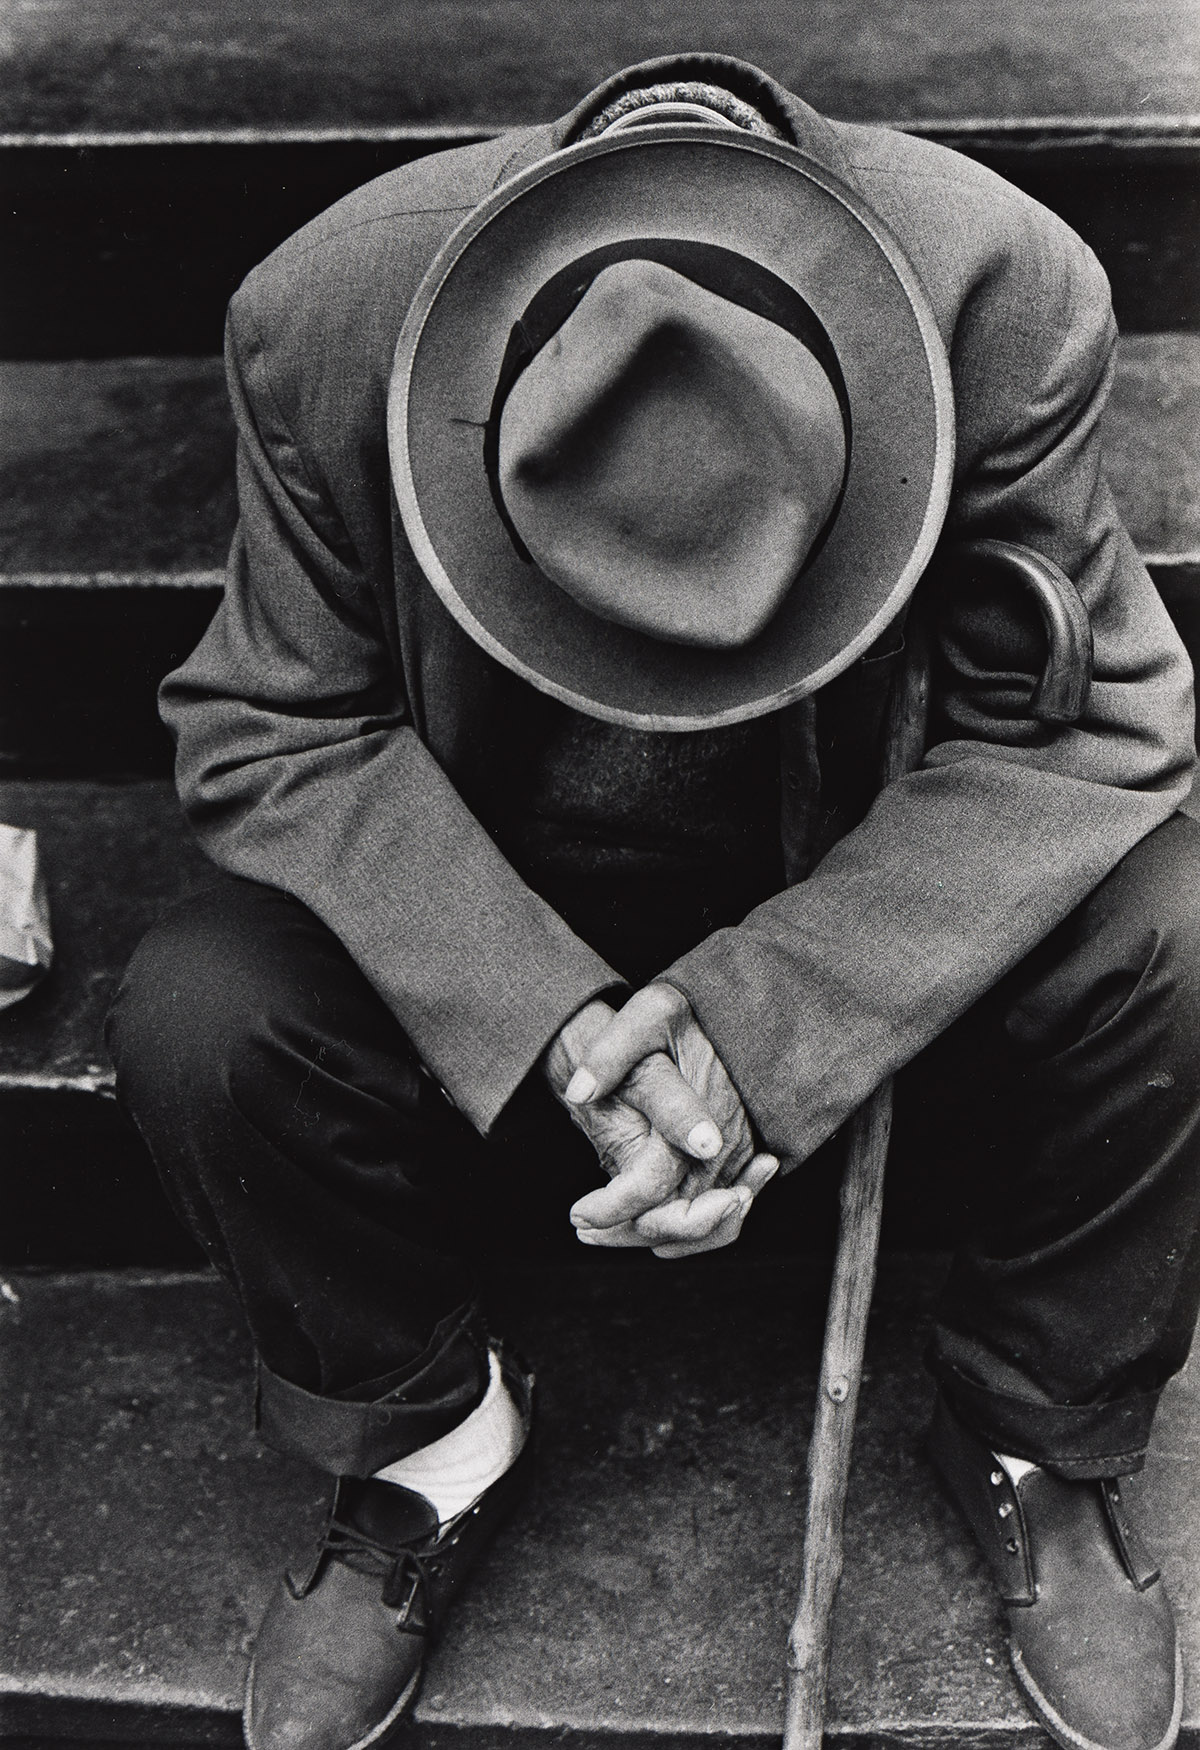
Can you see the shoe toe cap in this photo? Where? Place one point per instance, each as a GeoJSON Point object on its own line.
{"type": "Point", "coordinates": [1100, 1684]}
{"type": "Point", "coordinates": [333, 1678]}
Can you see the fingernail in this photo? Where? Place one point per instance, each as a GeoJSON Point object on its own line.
{"type": "Point", "coordinates": [704, 1140]}
{"type": "Point", "coordinates": [581, 1087]}
{"type": "Point", "coordinates": [587, 1235]}
{"type": "Point", "coordinates": [767, 1177]}
{"type": "Point", "coordinates": [580, 1220]}
{"type": "Point", "coordinates": [744, 1195]}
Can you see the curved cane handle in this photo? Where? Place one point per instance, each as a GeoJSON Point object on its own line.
{"type": "Point", "coordinates": [1061, 693]}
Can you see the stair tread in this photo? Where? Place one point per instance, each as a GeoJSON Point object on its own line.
{"type": "Point", "coordinates": [136, 458]}
{"type": "Point", "coordinates": [646, 1587]}
{"type": "Point", "coordinates": [115, 465]}
{"type": "Point", "coordinates": [1152, 440]}
{"type": "Point", "coordinates": [111, 64]}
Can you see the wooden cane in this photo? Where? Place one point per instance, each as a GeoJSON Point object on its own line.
{"type": "Point", "coordinates": [1059, 697]}
{"type": "Point", "coordinates": [849, 1304]}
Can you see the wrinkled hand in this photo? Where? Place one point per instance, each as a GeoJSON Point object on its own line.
{"type": "Point", "coordinates": [650, 1092]}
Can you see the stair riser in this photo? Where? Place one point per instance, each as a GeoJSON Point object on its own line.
{"type": "Point", "coordinates": [79, 674]}
{"type": "Point", "coordinates": [79, 1191]}
{"type": "Point", "coordinates": [119, 64]}
{"type": "Point", "coordinates": [135, 248]}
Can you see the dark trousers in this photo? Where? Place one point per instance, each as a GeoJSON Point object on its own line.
{"type": "Point", "coordinates": [333, 1183]}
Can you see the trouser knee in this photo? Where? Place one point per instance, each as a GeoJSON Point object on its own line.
{"type": "Point", "coordinates": [246, 1042]}
{"type": "Point", "coordinates": [1081, 1284]}
{"type": "Point", "coordinates": [1124, 969]}
{"type": "Point", "coordinates": [204, 1019]}
{"type": "Point", "coordinates": [295, 1133]}
{"type": "Point", "coordinates": [186, 1003]}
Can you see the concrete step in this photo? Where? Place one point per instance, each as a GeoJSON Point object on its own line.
{"type": "Point", "coordinates": [154, 160]}
{"type": "Point", "coordinates": [116, 507]}
{"type": "Point", "coordinates": [642, 1595]}
{"type": "Point", "coordinates": [1152, 443]}
{"type": "Point", "coordinates": [105, 65]}
{"type": "Point", "coordinates": [117, 503]}
{"type": "Point", "coordinates": [161, 226]}
{"type": "Point", "coordinates": [77, 1185]}
{"type": "Point", "coordinates": [121, 465]}
{"type": "Point", "coordinates": [114, 856]}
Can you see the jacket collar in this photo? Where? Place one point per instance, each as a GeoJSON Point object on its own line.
{"type": "Point", "coordinates": [801, 124]}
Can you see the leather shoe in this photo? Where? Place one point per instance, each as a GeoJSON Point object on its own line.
{"type": "Point", "coordinates": [1093, 1639]}
{"type": "Point", "coordinates": [338, 1659]}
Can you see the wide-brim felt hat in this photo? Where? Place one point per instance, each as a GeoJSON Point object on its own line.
{"type": "Point", "coordinates": [751, 219]}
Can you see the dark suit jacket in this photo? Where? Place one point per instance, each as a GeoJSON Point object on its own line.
{"type": "Point", "coordinates": [334, 722]}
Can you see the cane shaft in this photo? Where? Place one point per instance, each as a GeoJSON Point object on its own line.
{"type": "Point", "coordinates": [850, 1293]}
{"type": "Point", "coordinates": [833, 1428]}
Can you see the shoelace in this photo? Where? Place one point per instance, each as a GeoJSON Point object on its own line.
{"type": "Point", "coordinates": [407, 1577]}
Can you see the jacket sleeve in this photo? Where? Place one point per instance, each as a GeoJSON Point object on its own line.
{"type": "Point", "coordinates": [298, 766]}
{"type": "Point", "coordinates": [961, 868]}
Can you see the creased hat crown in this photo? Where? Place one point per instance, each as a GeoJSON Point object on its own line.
{"type": "Point", "coordinates": [669, 458]}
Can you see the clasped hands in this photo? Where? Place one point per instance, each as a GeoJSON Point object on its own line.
{"type": "Point", "coordinates": [647, 1088]}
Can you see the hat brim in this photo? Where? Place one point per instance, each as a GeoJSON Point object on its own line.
{"type": "Point", "coordinates": [768, 202]}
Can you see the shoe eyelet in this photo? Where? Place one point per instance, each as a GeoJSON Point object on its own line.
{"type": "Point", "coordinates": [1013, 1547]}
{"type": "Point", "coordinates": [997, 1477]}
{"type": "Point", "coordinates": [1004, 1509]}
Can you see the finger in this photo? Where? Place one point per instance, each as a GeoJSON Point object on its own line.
{"type": "Point", "coordinates": [695, 1220]}
{"type": "Point", "coordinates": [629, 1234]}
{"type": "Point", "coordinates": [722, 1235]}
{"type": "Point", "coordinates": [758, 1172]}
{"type": "Point", "coordinates": [570, 1042]}
{"type": "Point", "coordinates": [648, 1178]}
{"type": "Point", "coordinates": [658, 1090]}
{"type": "Point", "coordinates": [754, 1175]}
{"type": "Point", "coordinates": [638, 1030]}
{"type": "Point", "coordinates": [753, 1171]}
{"type": "Point", "coordinates": [723, 1173]}
{"type": "Point", "coordinates": [761, 1170]}
{"type": "Point", "coordinates": [623, 1235]}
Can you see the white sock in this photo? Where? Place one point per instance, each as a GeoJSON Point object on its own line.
{"type": "Point", "coordinates": [454, 1471]}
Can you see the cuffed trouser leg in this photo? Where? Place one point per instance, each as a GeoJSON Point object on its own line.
{"type": "Point", "coordinates": [385, 1419]}
{"type": "Point", "coordinates": [323, 1171]}
{"type": "Point", "coordinates": [1077, 1297]}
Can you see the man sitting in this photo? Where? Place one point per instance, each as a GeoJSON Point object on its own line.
{"type": "Point", "coordinates": [586, 476]}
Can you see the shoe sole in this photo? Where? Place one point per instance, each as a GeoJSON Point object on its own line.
{"type": "Point", "coordinates": [376, 1739]}
{"type": "Point", "coordinates": [1065, 1735]}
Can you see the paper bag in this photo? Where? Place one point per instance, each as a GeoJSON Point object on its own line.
{"type": "Point", "coordinates": [25, 947]}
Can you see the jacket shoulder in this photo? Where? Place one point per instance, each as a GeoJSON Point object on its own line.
{"type": "Point", "coordinates": [968, 230]}
{"type": "Point", "coordinates": [312, 330]}
{"type": "Point", "coordinates": [394, 222]}
{"type": "Point", "coordinates": [915, 170]}
{"type": "Point", "coordinates": [1022, 304]}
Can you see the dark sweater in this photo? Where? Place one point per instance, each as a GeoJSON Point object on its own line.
{"type": "Point", "coordinates": [645, 843]}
